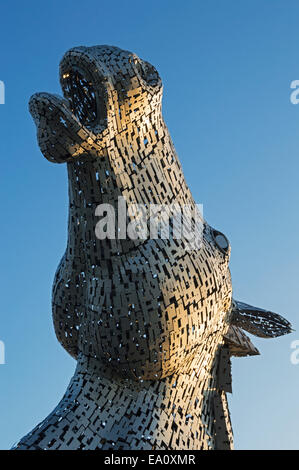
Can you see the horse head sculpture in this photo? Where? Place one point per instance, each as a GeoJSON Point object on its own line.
{"type": "Point", "coordinates": [150, 320]}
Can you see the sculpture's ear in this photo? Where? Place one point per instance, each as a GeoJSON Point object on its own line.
{"type": "Point", "coordinates": [258, 321]}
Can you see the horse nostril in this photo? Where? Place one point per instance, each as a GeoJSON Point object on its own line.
{"type": "Point", "coordinates": [221, 241]}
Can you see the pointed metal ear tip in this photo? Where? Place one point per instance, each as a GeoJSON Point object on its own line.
{"type": "Point", "coordinates": [258, 321]}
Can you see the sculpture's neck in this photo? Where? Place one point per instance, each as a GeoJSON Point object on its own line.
{"type": "Point", "coordinates": [131, 161]}
{"type": "Point", "coordinates": [144, 170]}
{"type": "Point", "coordinates": [102, 411]}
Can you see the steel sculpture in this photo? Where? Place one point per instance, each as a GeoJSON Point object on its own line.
{"type": "Point", "coordinates": [151, 322]}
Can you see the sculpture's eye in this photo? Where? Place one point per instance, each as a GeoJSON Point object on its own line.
{"type": "Point", "coordinates": [81, 95]}
{"type": "Point", "coordinates": [146, 71]}
{"type": "Point", "coordinates": [221, 241]}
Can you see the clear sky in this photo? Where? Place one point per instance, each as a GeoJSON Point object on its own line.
{"type": "Point", "coordinates": [227, 68]}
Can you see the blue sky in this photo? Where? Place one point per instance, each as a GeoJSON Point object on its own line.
{"type": "Point", "coordinates": [227, 68]}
